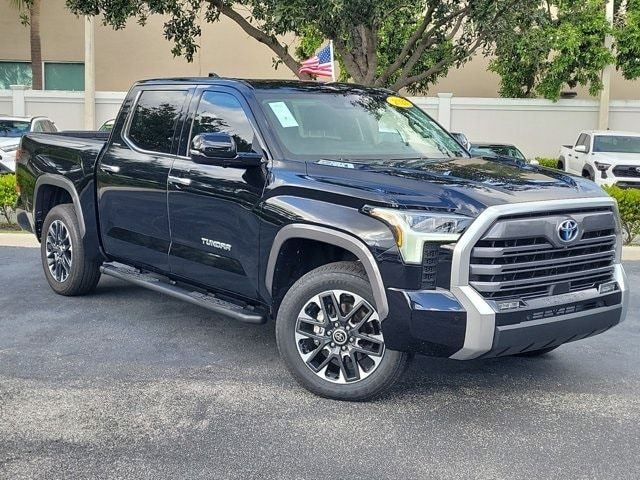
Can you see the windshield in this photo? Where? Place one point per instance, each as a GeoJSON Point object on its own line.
{"type": "Point", "coordinates": [616, 143]}
{"type": "Point", "coordinates": [354, 126]}
{"type": "Point", "coordinates": [13, 128]}
{"type": "Point", "coordinates": [504, 150]}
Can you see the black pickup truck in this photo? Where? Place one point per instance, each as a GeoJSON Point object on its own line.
{"type": "Point", "coordinates": [344, 213]}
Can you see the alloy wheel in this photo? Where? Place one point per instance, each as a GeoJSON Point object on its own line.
{"type": "Point", "coordinates": [338, 336]}
{"type": "Point", "coordinates": [59, 251]}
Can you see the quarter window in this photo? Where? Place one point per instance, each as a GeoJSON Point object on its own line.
{"type": "Point", "coordinates": [222, 113]}
{"type": "Point", "coordinates": [154, 119]}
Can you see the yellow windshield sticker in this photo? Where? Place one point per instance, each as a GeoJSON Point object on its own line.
{"type": "Point", "coordinates": [399, 102]}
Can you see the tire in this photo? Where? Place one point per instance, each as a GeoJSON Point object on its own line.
{"type": "Point", "coordinates": [348, 362]}
{"type": "Point", "coordinates": [536, 353]}
{"type": "Point", "coordinates": [61, 246]}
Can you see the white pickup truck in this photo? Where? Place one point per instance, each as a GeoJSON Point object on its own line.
{"type": "Point", "coordinates": [604, 156]}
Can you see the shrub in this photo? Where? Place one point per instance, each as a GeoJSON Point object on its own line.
{"type": "Point", "coordinates": [548, 162]}
{"type": "Point", "coordinates": [8, 195]}
{"type": "Point", "coordinates": [629, 205]}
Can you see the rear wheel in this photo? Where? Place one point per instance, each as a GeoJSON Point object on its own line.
{"type": "Point", "coordinates": [65, 264]}
{"type": "Point", "coordinates": [331, 337]}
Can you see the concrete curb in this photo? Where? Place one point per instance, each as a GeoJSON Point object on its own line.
{"type": "Point", "coordinates": [18, 240]}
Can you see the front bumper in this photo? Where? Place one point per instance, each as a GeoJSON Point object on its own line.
{"type": "Point", "coordinates": [459, 323]}
{"type": "Point", "coordinates": [435, 323]}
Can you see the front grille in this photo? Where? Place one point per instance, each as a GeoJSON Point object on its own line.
{"type": "Point", "coordinates": [522, 257]}
{"type": "Point", "coordinates": [626, 171]}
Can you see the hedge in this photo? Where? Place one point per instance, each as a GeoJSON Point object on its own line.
{"type": "Point", "coordinates": [629, 205]}
{"type": "Point", "coordinates": [548, 162]}
{"type": "Point", "coordinates": [8, 195]}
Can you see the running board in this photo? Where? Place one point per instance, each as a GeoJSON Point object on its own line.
{"type": "Point", "coordinates": [208, 301]}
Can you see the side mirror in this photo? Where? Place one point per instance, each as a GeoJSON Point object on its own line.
{"type": "Point", "coordinates": [581, 149]}
{"type": "Point", "coordinates": [534, 162]}
{"type": "Point", "coordinates": [220, 149]}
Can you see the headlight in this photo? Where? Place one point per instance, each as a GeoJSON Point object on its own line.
{"type": "Point", "coordinates": [412, 228]}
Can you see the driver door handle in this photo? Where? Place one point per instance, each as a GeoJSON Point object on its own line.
{"type": "Point", "coordinates": [179, 180]}
{"type": "Point", "coordinates": [109, 168]}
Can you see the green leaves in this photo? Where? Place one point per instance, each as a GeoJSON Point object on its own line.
{"type": "Point", "coordinates": [629, 207]}
{"type": "Point", "coordinates": [627, 40]}
{"type": "Point", "coordinates": [562, 46]}
{"type": "Point", "coordinates": [8, 195]}
{"type": "Point", "coordinates": [539, 47]}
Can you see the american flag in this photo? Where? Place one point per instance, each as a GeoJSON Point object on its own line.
{"type": "Point", "coordinates": [321, 64]}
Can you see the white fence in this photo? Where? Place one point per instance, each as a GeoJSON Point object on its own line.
{"type": "Point", "coordinates": [538, 127]}
{"type": "Point", "coordinates": [66, 109]}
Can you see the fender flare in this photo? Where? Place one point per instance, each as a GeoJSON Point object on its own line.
{"type": "Point", "coordinates": [339, 239]}
{"type": "Point", "coordinates": [564, 162]}
{"type": "Point", "coordinates": [590, 169]}
{"type": "Point", "coordinates": [69, 187]}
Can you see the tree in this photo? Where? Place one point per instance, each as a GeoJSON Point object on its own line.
{"type": "Point", "coordinates": [30, 15]}
{"type": "Point", "coordinates": [392, 43]}
{"type": "Point", "coordinates": [562, 44]}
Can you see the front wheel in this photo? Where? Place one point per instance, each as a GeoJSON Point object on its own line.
{"type": "Point", "coordinates": [331, 337]}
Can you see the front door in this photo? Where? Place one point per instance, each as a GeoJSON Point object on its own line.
{"type": "Point", "coordinates": [214, 229]}
{"type": "Point", "coordinates": [132, 180]}
{"type": "Point", "coordinates": [577, 159]}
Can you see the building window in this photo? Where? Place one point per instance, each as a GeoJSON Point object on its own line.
{"type": "Point", "coordinates": [64, 76]}
{"type": "Point", "coordinates": [14, 73]}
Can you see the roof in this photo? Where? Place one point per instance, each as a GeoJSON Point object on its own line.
{"type": "Point", "coordinates": [21, 119]}
{"type": "Point", "coordinates": [265, 84]}
{"type": "Point", "coordinates": [16, 119]}
{"type": "Point", "coordinates": [609, 133]}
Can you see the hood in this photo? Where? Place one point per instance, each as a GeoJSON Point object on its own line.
{"type": "Point", "coordinates": [619, 158]}
{"type": "Point", "coordinates": [463, 185]}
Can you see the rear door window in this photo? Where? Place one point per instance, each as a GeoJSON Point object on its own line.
{"type": "Point", "coordinates": [154, 119]}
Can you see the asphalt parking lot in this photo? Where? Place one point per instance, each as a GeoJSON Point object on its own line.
{"type": "Point", "coordinates": [127, 383]}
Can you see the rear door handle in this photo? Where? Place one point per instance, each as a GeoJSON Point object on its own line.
{"type": "Point", "coordinates": [109, 168]}
{"type": "Point", "coordinates": [179, 180]}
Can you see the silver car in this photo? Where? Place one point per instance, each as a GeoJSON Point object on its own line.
{"type": "Point", "coordinates": [11, 131]}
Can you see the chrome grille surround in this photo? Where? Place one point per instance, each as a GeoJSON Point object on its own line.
{"type": "Point", "coordinates": [522, 257]}
{"type": "Point", "coordinates": [481, 314]}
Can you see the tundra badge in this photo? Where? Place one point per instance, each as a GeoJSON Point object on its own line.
{"type": "Point", "coordinates": [216, 244]}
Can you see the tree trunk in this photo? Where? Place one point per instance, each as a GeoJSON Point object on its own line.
{"type": "Point", "coordinates": [36, 50]}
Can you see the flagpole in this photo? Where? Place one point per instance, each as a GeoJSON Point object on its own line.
{"type": "Point", "coordinates": [333, 64]}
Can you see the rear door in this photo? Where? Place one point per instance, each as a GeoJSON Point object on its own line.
{"type": "Point", "coordinates": [214, 228]}
{"type": "Point", "coordinates": [132, 177]}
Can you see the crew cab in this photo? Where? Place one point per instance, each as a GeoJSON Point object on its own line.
{"type": "Point", "coordinates": [604, 156]}
{"type": "Point", "coordinates": [343, 213]}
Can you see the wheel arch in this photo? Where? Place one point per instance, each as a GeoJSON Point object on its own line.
{"type": "Point", "coordinates": [588, 168]}
{"type": "Point", "coordinates": [335, 238]}
{"type": "Point", "coordinates": [59, 182]}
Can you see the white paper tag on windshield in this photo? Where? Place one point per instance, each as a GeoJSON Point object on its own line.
{"type": "Point", "coordinates": [283, 114]}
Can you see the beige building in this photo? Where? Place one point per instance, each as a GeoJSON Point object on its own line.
{"type": "Point", "coordinates": [142, 52]}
